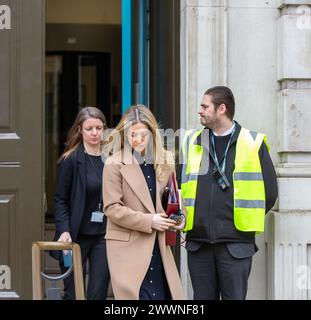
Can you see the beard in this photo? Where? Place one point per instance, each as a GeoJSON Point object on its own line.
{"type": "Point", "coordinates": [210, 123]}
{"type": "Point", "coordinates": [204, 121]}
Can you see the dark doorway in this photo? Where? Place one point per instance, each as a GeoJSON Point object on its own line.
{"type": "Point", "coordinates": [74, 80]}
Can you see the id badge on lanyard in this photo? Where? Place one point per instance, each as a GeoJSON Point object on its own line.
{"type": "Point", "coordinates": [97, 216]}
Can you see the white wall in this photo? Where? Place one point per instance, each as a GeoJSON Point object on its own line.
{"type": "Point", "coordinates": [252, 75]}
{"type": "Point", "coordinates": [261, 49]}
{"type": "Point", "coordinates": [252, 65]}
{"type": "Point", "coordinates": [233, 43]}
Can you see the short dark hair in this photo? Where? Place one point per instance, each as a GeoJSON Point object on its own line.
{"type": "Point", "coordinates": [222, 95]}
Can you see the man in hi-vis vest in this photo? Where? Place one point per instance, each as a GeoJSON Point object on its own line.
{"type": "Point", "coordinates": [228, 185]}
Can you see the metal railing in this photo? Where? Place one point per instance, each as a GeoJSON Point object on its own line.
{"type": "Point", "coordinates": [76, 267]}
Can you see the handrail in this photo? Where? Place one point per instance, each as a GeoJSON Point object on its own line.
{"type": "Point", "coordinates": [55, 245]}
{"type": "Point", "coordinates": [39, 246]}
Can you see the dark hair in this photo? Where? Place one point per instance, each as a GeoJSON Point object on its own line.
{"type": "Point", "coordinates": [222, 95]}
{"type": "Point", "coordinates": [74, 137]}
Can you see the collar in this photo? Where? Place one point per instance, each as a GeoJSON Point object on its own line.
{"type": "Point", "coordinates": [81, 153]}
{"type": "Point", "coordinates": [228, 132]}
{"type": "Point", "coordinates": [198, 140]}
{"type": "Point", "coordinates": [146, 159]}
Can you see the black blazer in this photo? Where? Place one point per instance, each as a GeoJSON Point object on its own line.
{"type": "Point", "coordinates": [70, 195]}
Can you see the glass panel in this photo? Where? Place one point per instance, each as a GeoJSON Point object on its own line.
{"type": "Point", "coordinates": [140, 45]}
{"type": "Point", "coordinates": [52, 113]}
{"type": "Point", "coordinates": [135, 52]}
{"type": "Point", "coordinates": [87, 81]}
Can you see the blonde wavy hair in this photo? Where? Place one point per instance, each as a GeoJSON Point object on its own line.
{"type": "Point", "coordinates": [116, 140]}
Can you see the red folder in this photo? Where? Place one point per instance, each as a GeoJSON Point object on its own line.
{"type": "Point", "coordinates": [170, 203]}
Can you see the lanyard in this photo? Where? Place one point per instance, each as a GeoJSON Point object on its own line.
{"type": "Point", "coordinates": [214, 156]}
{"type": "Point", "coordinates": [96, 172]}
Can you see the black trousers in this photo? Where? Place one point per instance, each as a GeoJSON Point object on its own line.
{"type": "Point", "coordinates": [93, 249]}
{"type": "Point", "coordinates": [216, 273]}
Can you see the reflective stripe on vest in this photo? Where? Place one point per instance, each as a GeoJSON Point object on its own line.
{"type": "Point", "coordinates": [190, 173]}
{"type": "Point", "coordinates": [248, 184]}
{"type": "Point", "coordinates": [249, 189]}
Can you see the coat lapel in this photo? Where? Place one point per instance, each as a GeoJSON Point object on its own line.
{"type": "Point", "coordinates": [81, 166]}
{"type": "Point", "coordinates": [135, 178]}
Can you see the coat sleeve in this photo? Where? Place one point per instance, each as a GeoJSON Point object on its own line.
{"type": "Point", "coordinates": [269, 177]}
{"type": "Point", "coordinates": [114, 207]}
{"type": "Point", "coordinates": [62, 196]}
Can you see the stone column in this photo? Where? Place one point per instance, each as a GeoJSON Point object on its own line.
{"type": "Point", "coordinates": [203, 50]}
{"type": "Point", "coordinates": [203, 53]}
{"type": "Point", "coordinates": [289, 229]}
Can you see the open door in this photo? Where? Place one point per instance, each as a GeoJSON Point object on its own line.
{"type": "Point", "coordinates": [150, 61]}
{"type": "Point", "coordinates": [21, 143]}
{"type": "Point", "coordinates": [135, 53]}
{"type": "Point", "coordinates": [151, 58]}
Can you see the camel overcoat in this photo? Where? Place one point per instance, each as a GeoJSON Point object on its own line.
{"type": "Point", "coordinates": [130, 238]}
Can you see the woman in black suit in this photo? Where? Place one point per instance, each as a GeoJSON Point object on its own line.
{"type": "Point", "coordinates": [78, 202]}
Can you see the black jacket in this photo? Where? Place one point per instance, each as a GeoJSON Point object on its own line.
{"type": "Point", "coordinates": [70, 195]}
{"type": "Point", "coordinates": [213, 222]}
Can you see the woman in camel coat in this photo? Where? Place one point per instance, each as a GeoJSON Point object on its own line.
{"type": "Point", "coordinates": [142, 266]}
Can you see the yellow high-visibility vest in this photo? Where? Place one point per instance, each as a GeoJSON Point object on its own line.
{"type": "Point", "coordinates": [248, 185]}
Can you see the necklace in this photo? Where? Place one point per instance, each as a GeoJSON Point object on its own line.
{"type": "Point", "coordinates": [93, 153]}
